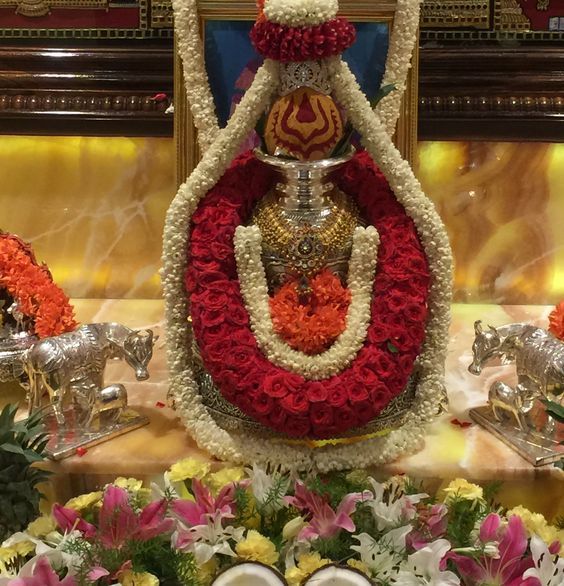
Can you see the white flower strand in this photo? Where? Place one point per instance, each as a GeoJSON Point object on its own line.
{"type": "Point", "coordinates": [430, 390]}
{"type": "Point", "coordinates": [175, 248]}
{"type": "Point", "coordinates": [198, 90]}
{"type": "Point", "coordinates": [254, 288]}
{"type": "Point", "coordinates": [301, 12]}
{"type": "Point", "coordinates": [237, 447]}
{"type": "Point", "coordinates": [398, 62]}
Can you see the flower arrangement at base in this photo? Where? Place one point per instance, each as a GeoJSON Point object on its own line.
{"type": "Point", "coordinates": [256, 528]}
{"type": "Point", "coordinates": [27, 290]}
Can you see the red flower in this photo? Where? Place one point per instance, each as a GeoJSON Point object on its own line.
{"type": "Point", "coordinates": [271, 395]}
{"type": "Point", "coordinates": [321, 415]}
{"type": "Point", "coordinates": [296, 404]}
{"type": "Point", "coordinates": [316, 392]}
{"type": "Point", "coordinates": [286, 43]}
{"type": "Point", "coordinates": [280, 384]}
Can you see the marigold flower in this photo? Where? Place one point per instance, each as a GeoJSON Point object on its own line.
{"type": "Point", "coordinates": [311, 327]}
{"type": "Point", "coordinates": [556, 320]}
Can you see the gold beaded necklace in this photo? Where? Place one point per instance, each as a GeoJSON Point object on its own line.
{"type": "Point", "coordinates": [305, 247]}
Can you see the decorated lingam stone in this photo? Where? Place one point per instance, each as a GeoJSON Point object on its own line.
{"type": "Point", "coordinates": [307, 283]}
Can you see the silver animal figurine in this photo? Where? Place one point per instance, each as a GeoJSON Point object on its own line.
{"type": "Point", "coordinates": [70, 367]}
{"type": "Point", "coordinates": [539, 361]}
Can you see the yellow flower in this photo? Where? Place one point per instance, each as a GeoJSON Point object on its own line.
{"type": "Point", "coordinates": [130, 484]}
{"type": "Point", "coordinates": [257, 548]}
{"type": "Point", "coordinates": [131, 578]}
{"type": "Point", "coordinates": [23, 548]}
{"type": "Point", "coordinates": [79, 503]}
{"type": "Point", "coordinates": [7, 554]}
{"type": "Point", "coordinates": [217, 480]}
{"type": "Point", "coordinates": [207, 572]}
{"type": "Point", "coordinates": [307, 564]}
{"type": "Point", "coordinates": [250, 515]}
{"type": "Point", "coordinates": [310, 562]}
{"type": "Point", "coordinates": [42, 526]}
{"type": "Point", "coordinates": [536, 524]}
{"type": "Point", "coordinates": [358, 565]}
{"type": "Point", "coordinates": [188, 468]}
{"type": "Point", "coordinates": [295, 576]}
{"type": "Point", "coordinates": [462, 489]}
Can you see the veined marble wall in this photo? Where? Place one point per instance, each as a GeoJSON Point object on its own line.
{"type": "Point", "coordinates": [94, 210]}
{"type": "Point", "coordinates": [503, 205]}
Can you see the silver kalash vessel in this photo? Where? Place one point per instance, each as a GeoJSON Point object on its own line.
{"type": "Point", "coordinates": [306, 222]}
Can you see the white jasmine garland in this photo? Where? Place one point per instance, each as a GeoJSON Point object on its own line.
{"type": "Point", "coordinates": [198, 90]}
{"type": "Point", "coordinates": [300, 12]}
{"type": "Point", "coordinates": [254, 288]}
{"type": "Point", "coordinates": [238, 447]}
{"type": "Point", "coordinates": [398, 62]}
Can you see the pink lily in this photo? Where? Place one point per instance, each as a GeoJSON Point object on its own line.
{"type": "Point", "coordinates": [69, 520]}
{"type": "Point", "coordinates": [432, 526]}
{"type": "Point", "coordinates": [119, 523]}
{"type": "Point", "coordinates": [205, 506]}
{"type": "Point", "coordinates": [324, 521]}
{"type": "Point", "coordinates": [43, 575]}
{"type": "Point", "coordinates": [508, 567]}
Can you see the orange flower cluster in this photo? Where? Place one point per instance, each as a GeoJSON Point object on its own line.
{"type": "Point", "coordinates": [313, 326]}
{"type": "Point", "coordinates": [556, 320]}
{"type": "Point", "coordinates": [31, 284]}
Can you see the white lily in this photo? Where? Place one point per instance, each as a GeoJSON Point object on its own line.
{"type": "Point", "coordinates": [262, 485]}
{"type": "Point", "coordinates": [205, 541]}
{"type": "Point", "coordinates": [549, 569]}
{"type": "Point", "coordinates": [391, 514]}
{"type": "Point", "coordinates": [52, 546]}
{"type": "Point", "coordinates": [382, 556]}
{"type": "Point", "coordinates": [423, 567]}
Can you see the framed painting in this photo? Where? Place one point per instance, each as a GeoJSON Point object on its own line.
{"type": "Point", "coordinates": [231, 62]}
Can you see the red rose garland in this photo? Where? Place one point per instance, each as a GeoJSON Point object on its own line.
{"type": "Point", "coordinates": [275, 397]}
{"type": "Point", "coordinates": [287, 43]}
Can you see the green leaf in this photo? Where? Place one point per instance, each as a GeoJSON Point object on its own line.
{"type": "Point", "coordinates": [392, 348]}
{"type": "Point", "coordinates": [554, 410]}
{"type": "Point", "coordinates": [382, 93]}
{"type": "Point", "coordinates": [12, 448]}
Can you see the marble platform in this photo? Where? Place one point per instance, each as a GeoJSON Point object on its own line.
{"type": "Point", "coordinates": [450, 450]}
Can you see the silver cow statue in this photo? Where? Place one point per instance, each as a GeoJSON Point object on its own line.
{"type": "Point", "coordinates": [539, 361]}
{"type": "Point", "coordinates": [70, 368]}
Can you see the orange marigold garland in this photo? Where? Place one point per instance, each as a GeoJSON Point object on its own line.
{"type": "Point", "coordinates": [556, 320]}
{"type": "Point", "coordinates": [311, 326]}
{"type": "Point", "coordinates": [31, 284]}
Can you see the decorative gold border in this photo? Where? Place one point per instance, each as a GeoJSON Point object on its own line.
{"type": "Point", "coordinates": [357, 10]}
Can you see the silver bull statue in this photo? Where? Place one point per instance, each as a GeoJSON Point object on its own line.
{"type": "Point", "coordinates": [539, 361]}
{"type": "Point", "coordinates": [70, 368]}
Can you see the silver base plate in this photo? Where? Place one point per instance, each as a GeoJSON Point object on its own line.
{"type": "Point", "coordinates": [536, 448]}
{"type": "Point", "coordinates": [68, 442]}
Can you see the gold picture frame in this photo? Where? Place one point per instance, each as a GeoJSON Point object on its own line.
{"type": "Point", "coordinates": [358, 11]}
